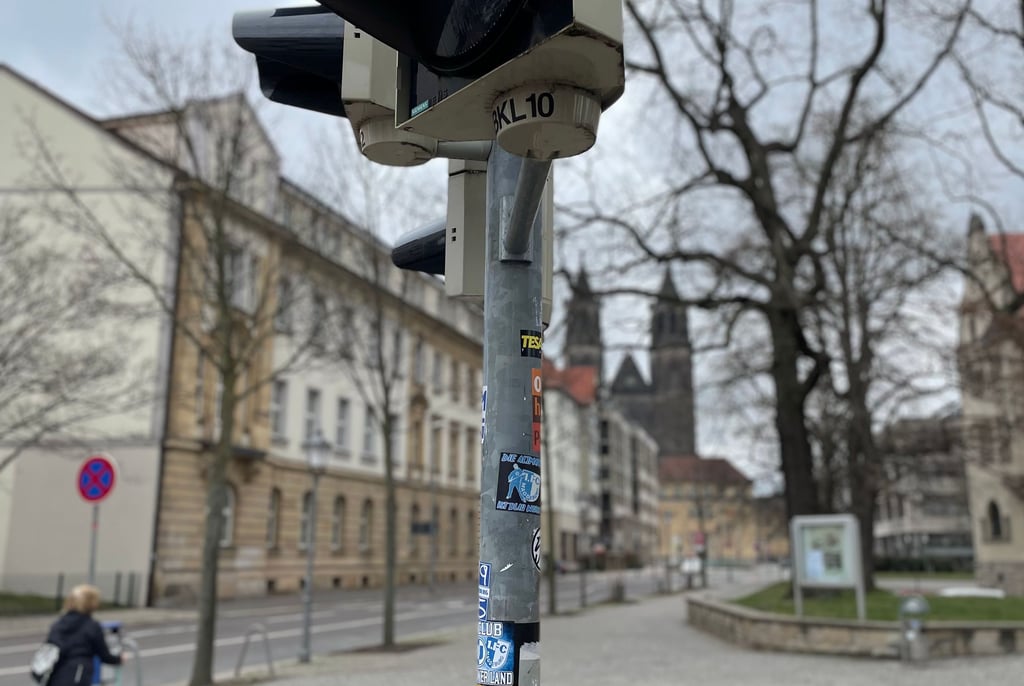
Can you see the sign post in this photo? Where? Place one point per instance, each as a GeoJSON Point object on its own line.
{"type": "Point", "coordinates": [96, 479]}
{"type": "Point", "coordinates": [826, 554]}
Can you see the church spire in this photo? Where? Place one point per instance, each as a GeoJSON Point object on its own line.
{"type": "Point", "coordinates": [583, 327]}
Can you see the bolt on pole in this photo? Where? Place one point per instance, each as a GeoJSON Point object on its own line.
{"type": "Point", "coordinates": [508, 645]}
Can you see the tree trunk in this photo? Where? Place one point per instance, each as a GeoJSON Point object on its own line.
{"type": "Point", "coordinates": [202, 665]}
{"type": "Point", "coordinates": [790, 421]}
{"type": "Point", "coordinates": [390, 542]}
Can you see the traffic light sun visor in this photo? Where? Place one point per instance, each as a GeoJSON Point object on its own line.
{"type": "Point", "coordinates": [468, 31]}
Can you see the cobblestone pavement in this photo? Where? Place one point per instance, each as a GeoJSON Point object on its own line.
{"type": "Point", "coordinates": [646, 643]}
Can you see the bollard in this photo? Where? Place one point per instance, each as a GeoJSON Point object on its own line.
{"type": "Point", "coordinates": [913, 643]}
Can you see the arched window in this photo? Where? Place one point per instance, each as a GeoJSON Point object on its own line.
{"type": "Point", "coordinates": [995, 521]}
{"type": "Point", "coordinates": [414, 537]}
{"type": "Point", "coordinates": [453, 533]}
{"type": "Point", "coordinates": [305, 520]}
{"type": "Point", "coordinates": [366, 526]}
{"type": "Point", "coordinates": [274, 518]}
{"type": "Point", "coordinates": [338, 524]}
{"type": "Point", "coordinates": [227, 536]}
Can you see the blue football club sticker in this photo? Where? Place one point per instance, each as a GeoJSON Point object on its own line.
{"type": "Point", "coordinates": [495, 654]}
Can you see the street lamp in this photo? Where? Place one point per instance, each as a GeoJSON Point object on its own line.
{"type": "Point", "coordinates": [316, 448]}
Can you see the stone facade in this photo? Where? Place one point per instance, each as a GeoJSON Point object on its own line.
{"type": "Point", "coordinates": [991, 359]}
{"type": "Point", "coordinates": [923, 507]}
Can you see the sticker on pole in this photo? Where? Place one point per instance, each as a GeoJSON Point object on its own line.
{"type": "Point", "coordinates": [536, 387]}
{"type": "Point", "coordinates": [535, 549]}
{"type": "Point", "coordinates": [507, 653]}
{"type": "Point", "coordinates": [483, 414]}
{"type": "Point", "coordinates": [495, 653]}
{"type": "Point", "coordinates": [484, 592]}
{"type": "Point", "coordinates": [96, 478]}
{"type": "Point", "coordinates": [519, 483]}
{"type": "Point", "coordinates": [530, 343]}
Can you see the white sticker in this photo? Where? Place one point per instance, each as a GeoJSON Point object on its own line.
{"type": "Point", "coordinates": [536, 548]}
{"type": "Point", "coordinates": [483, 416]}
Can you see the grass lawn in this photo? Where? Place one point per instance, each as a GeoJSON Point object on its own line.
{"type": "Point", "coordinates": [14, 604]}
{"type": "Point", "coordinates": [883, 605]}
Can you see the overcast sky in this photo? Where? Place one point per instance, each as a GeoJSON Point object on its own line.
{"type": "Point", "coordinates": [65, 46]}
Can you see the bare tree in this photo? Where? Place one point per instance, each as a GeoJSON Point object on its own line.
{"type": "Point", "coordinates": [369, 341]}
{"type": "Point", "coordinates": [211, 222]}
{"type": "Point", "coordinates": [761, 116]}
{"type": "Point", "coordinates": [50, 389]}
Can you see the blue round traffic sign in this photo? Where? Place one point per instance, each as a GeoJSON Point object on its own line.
{"type": "Point", "coordinates": [96, 478]}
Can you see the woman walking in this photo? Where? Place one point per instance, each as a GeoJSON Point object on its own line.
{"type": "Point", "coordinates": [80, 639]}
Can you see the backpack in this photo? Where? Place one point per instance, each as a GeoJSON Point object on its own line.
{"type": "Point", "coordinates": [43, 661]}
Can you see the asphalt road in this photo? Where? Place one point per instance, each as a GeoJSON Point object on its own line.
{"type": "Point", "coordinates": [342, 621]}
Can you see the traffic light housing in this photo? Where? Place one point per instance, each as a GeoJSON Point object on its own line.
{"type": "Point", "coordinates": [534, 74]}
{"type": "Point", "coordinates": [308, 57]}
{"type": "Point", "coordinates": [456, 246]}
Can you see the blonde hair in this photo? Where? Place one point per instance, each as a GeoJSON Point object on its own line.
{"type": "Point", "coordinates": [83, 598]}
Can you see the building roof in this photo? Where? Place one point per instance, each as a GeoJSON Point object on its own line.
{"type": "Point", "coordinates": [1009, 248]}
{"type": "Point", "coordinates": [580, 382]}
{"type": "Point", "coordinates": [692, 468]}
{"type": "Point", "coordinates": [629, 379]}
{"type": "Point", "coordinates": [668, 287]}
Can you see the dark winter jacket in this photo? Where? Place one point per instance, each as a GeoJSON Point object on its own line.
{"type": "Point", "coordinates": [80, 639]}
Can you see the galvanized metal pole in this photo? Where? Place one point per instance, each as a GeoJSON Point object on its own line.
{"type": "Point", "coordinates": [306, 651]}
{"type": "Point", "coordinates": [92, 543]}
{"type": "Point", "coordinates": [508, 649]}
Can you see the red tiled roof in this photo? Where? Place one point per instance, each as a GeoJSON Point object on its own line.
{"type": "Point", "coordinates": [579, 382]}
{"type": "Point", "coordinates": [1009, 247]}
{"type": "Point", "coordinates": [691, 468]}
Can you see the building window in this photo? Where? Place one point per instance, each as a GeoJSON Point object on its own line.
{"type": "Point", "coordinates": [438, 373]}
{"type": "Point", "coordinates": [472, 454]}
{"type": "Point", "coordinates": [240, 277]}
{"type": "Point", "coordinates": [471, 387]}
{"type": "Point", "coordinates": [453, 533]}
{"type": "Point", "coordinates": [366, 526]}
{"type": "Point", "coordinates": [396, 350]}
{"type": "Point", "coordinates": [285, 298]}
{"type": "Point", "coordinates": [278, 409]}
{"type": "Point", "coordinates": [435, 446]}
{"type": "Point", "coordinates": [455, 381]}
{"type": "Point", "coordinates": [997, 526]}
{"type": "Point", "coordinates": [305, 520]}
{"type": "Point", "coordinates": [227, 535]}
{"type": "Point", "coordinates": [453, 450]}
{"type": "Point", "coordinates": [274, 518]}
{"type": "Point", "coordinates": [369, 434]}
{"type": "Point", "coordinates": [338, 525]}
{"type": "Point", "coordinates": [418, 362]}
{"type": "Point", "coordinates": [414, 534]}
{"type": "Point", "coordinates": [341, 425]}
{"type": "Point", "coordinates": [312, 420]}
{"type": "Point", "coordinates": [472, 535]}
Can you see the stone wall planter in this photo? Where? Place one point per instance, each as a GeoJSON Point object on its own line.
{"type": "Point", "coordinates": [766, 631]}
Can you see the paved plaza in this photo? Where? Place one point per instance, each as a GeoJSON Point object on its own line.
{"type": "Point", "coordinates": [645, 643]}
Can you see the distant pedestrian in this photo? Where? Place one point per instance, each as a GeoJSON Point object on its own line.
{"type": "Point", "coordinates": [80, 639]}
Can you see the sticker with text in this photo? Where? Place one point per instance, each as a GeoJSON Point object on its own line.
{"type": "Point", "coordinates": [530, 343]}
{"type": "Point", "coordinates": [535, 389]}
{"type": "Point", "coordinates": [507, 653]}
{"type": "Point", "coordinates": [518, 483]}
{"type": "Point", "coordinates": [484, 592]}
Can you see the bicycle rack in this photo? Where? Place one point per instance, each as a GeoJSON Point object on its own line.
{"type": "Point", "coordinates": [129, 643]}
{"type": "Point", "coordinates": [256, 628]}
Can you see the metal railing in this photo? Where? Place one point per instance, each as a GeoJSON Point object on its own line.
{"type": "Point", "coordinates": [256, 628]}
